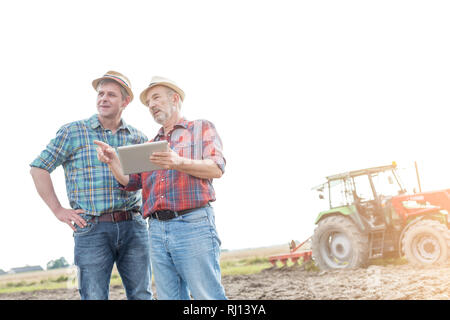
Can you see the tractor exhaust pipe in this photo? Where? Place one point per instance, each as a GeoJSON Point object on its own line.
{"type": "Point", "coordinates": [418, 178]}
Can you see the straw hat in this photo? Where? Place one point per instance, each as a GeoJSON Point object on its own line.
{"type": "Point", "coordinates": [160, 81]}
{"type": "Point", "coordinates": [119, 78]}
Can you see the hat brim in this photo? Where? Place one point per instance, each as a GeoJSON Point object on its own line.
{"type": "Point", "coordinates": [127, 89]}
{"type": "Point", "coordinates": [143, 95]}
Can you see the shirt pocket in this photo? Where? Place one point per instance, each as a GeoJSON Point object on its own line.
{"type": "Point", "coordinates": [86, 157]}
{"type": "Point", "coordinates": [86, 172]}
{"type": "Point", "coordinates": [189, 150]}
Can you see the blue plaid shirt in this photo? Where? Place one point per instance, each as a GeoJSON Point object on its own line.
{"type": "Point", "coordinates": [90, 184]}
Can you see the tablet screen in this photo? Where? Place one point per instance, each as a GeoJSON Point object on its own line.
{"type": "Point", "coordinates": [135, 158]}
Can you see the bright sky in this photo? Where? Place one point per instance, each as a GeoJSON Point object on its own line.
{"type": "Point", "coordinates": [298, 90]}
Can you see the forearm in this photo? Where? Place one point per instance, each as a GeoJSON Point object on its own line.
{"type": "Point", "coordinates": [116, 170]}
{"type": "Point", "coordinates": [107, 154]}
{"type": "Point", "coordinates": [204, 169]}
{"type": "Point", "coordinates": [45, 189]}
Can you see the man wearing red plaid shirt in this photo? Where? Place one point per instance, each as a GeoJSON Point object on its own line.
{"type": "Point", "coordinates": [184, 244]}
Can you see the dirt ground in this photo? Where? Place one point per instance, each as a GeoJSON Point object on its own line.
{"type": "Point", "coordinates": [373, 283]}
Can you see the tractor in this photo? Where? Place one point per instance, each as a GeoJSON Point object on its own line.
{"type": "Point", "coordinates": [371, 215]}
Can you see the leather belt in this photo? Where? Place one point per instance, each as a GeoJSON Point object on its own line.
{"type": "Point", "coordinates": [116, 216]}
{"type": "Point", "coordinates": [164, 215]}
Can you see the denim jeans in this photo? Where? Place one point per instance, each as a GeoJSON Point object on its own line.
{"type": "Point", "coordinates": [185, 254]}
{"type": "Point", "coordinates": [99, 245]}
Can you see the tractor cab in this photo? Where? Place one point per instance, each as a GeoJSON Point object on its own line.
{"type": "Point", "coordinates": [365, 193]}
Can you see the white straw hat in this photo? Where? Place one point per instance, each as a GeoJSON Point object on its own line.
{"type": "Point", "coordinates": [119, 78]}
{"type": "Point", "coordinates": [160, 81]}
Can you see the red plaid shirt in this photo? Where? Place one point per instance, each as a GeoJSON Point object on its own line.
{"type": "Point", "coordinates": [174, 190]}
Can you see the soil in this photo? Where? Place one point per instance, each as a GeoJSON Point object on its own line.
{"type": "Point", "coordinates": [390, 282]}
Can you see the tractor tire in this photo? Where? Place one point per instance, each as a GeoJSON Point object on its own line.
{"type": "Point", "coordinates": [337, 243]}
{"type": "Point", "coordinates": [426, 242]}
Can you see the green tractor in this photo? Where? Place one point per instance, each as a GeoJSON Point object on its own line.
{"type": "Point", "coordinates": [371, 216]}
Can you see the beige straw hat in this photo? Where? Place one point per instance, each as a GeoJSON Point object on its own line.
{"type": "Point", "coordinates": [160, 81]}
{"type": "Point", "coordinates": [119, 78]}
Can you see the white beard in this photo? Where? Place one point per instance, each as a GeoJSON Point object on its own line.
{"type": "Point", "coordinates": [162, 117]}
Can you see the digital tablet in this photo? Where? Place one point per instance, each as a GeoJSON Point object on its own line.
{"type": "Point", "coordinates": [135, 158]}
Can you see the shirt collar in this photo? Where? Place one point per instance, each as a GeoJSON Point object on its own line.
{"type": "Point", "coordinates": [95, 123]}
{"type": "Point", "coordinates": [182, 123]}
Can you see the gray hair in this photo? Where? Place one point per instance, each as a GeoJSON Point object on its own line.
{"type": "Point", "coordinates": [171, 92]}
{"type": "Point", "coordinates": [122, 89]}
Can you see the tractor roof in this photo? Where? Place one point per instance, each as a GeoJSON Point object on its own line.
{"type": "Point", "coordinates": [361, 172]}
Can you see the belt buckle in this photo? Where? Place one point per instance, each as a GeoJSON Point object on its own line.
{"type": "Point", "coordinates": [158, 217]}
{"type": "Point", "coordinates": [161, 218]}
{"type": "Point", "coordinates": [116, 216]}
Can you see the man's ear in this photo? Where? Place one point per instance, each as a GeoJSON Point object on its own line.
{"type": "Point", "coordinates": [176, 99]}
{"type": "Point", "coordinates": [126, 101]}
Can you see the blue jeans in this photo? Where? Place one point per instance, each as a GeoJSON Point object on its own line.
{"type": "Point", "coordinates": [99, 245]}
{"type": "Point", "coordinates": [185, 253]}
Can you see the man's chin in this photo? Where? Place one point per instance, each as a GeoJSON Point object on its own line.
{"type": "Point", "coordinates": [159, 120]}
{"type": "Point", "coordinates": [107, 115]}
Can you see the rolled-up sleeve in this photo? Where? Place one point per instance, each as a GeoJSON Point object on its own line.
{"type": "Point", "coordinates": [56, 153]}
{"type": "Point", "coordinates": [134, 183]}
{"type": "Point", "coordinates": [212, 145]}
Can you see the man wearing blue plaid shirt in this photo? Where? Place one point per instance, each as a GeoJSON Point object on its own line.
{"type": "Point", "coordinates": [106, 221]}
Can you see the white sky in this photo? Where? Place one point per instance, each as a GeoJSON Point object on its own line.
{"type": "Point", "coordinates": [298, 90]}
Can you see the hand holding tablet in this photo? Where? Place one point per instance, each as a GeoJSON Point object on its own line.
{"type": "Point", "coordinates": [134, 158]}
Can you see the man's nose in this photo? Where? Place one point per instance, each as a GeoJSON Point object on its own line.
{"type": "Point", "coordinates": [102, 98]}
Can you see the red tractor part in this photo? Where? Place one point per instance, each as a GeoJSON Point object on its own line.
{"type": "Point", "coordinates": [439, 198]}
{"type": "Point", "coordinates": [293, 255]}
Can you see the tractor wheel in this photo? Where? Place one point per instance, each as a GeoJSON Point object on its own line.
{"type": "Point", "coordinates": [337, 244]}
{"type": "Point", "coordinates": [426, 242]}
